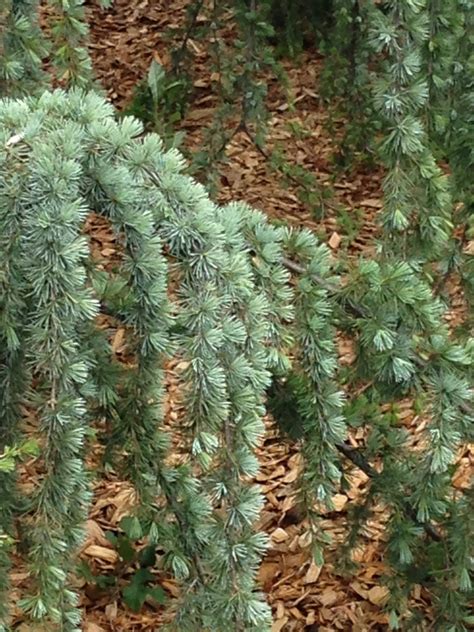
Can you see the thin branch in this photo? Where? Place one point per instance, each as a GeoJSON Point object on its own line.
{"type": "Point", "coordinates": [355, 456]}
{"type": "Point", "coordinates": [296, 267]}
{"type": "Point", "coordinates": [356, 310]}
{"type": "Point", "coordinates": [184, 42]}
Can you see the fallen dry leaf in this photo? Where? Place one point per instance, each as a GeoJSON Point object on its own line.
{"type": "Point", "coordinates": [267, 573]}
{"type": "Point", "coordinates": [358, 588]}
{"type": "Point", "coordinates": [372, 203]}
{"type": "Point", "coordinates": [118, 340]}
{"type": "Point", "coordinates": [171, 587]}
{"type": "Point", "coordinates": [111, 611]}
{"type": "Point", "coordinates": [291, 476]}
{"type": "Point", "coordinates": [469, 248]}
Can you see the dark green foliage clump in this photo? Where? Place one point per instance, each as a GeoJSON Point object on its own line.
{"type": "Point", "coordinates": [299, 24]}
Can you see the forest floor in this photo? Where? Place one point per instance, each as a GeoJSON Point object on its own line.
{"type": "Point", "coordinates": [125, 39]}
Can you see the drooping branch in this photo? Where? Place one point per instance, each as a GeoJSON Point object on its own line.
{"type": "Point", "coordinates": [179, 54]}
{"type": "Point", "coordinates": [358, 310]}
{"type": "Point", "coordinates": [351, 453]}
{"type": "Point", "coordinates": [354, 454]}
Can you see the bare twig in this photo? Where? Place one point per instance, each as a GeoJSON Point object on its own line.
{"type": "Point", "coordinates": [356, 457]}
{"type": "Point", "coordinates": [184, 42]}
{"type": "Point", "coordinates": [356, 310]}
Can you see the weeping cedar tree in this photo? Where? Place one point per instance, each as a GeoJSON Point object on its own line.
{"type": "Point", "coordinates": [244, 307]}
{"type": "Point", "coordinates": [212, 287]}
{"type": "Point", "coordinates": [63, 157]}
{"type": "Point", "coordinates": [417, 58]}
